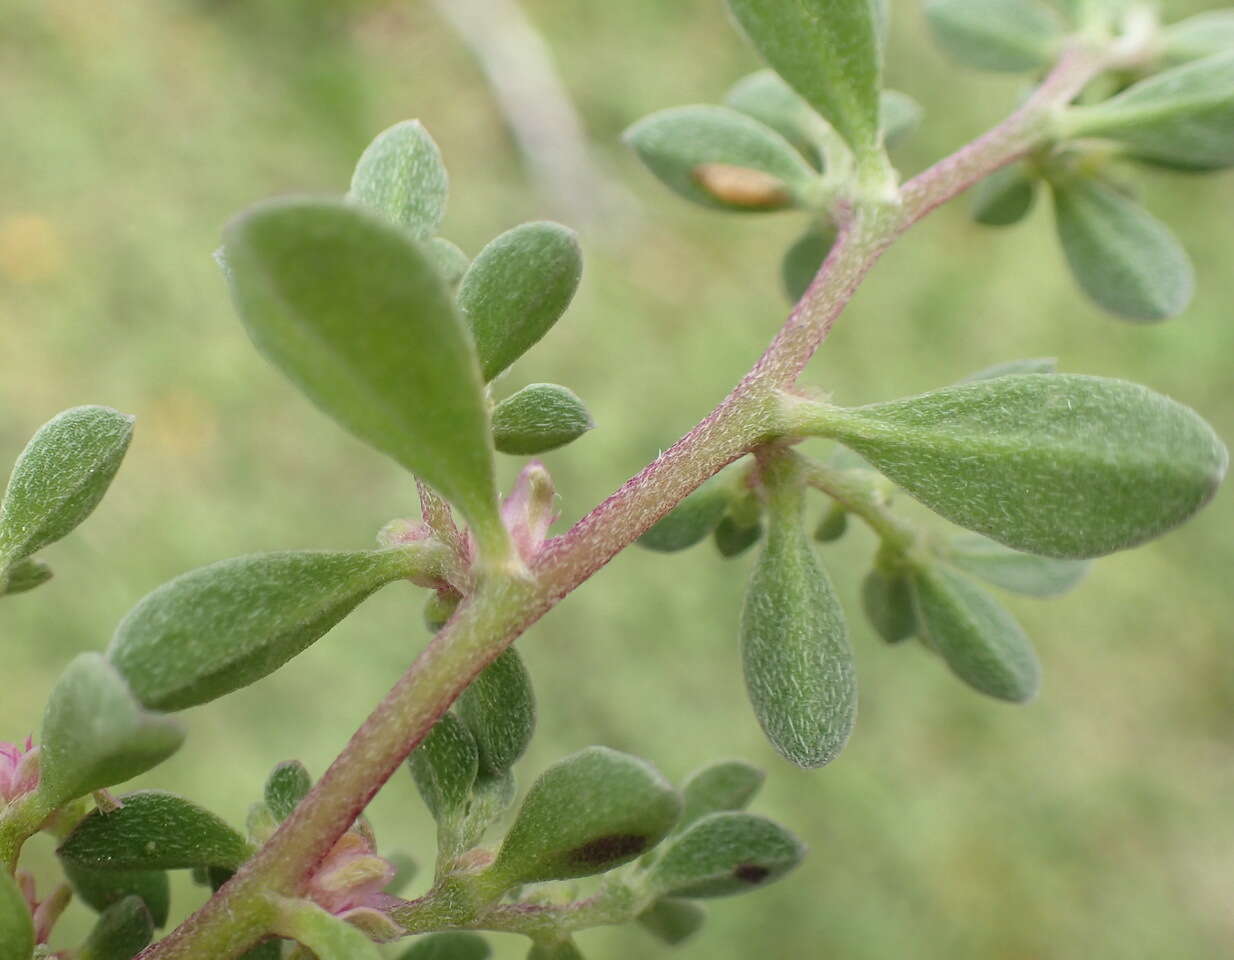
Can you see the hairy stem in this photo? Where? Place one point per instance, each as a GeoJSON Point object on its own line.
{"type": "Point", "coordinates": [503, 607]}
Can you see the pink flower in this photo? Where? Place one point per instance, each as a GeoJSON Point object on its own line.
{"type": "Point", "coordinates": [19, 770]}
{"type": "Point", "coordinates": [350, 883]}
{"type": "Point", "coordinates": [530, 509]}
{"type": "Point", "coordinates": [45, 914]}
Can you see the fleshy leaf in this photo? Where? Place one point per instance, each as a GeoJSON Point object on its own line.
{"type": "Point", "coordinates": [24, 575]}
{"type": "Point", "coordinates": [723, 854]}
{"type": "Point", "coordinates": [517, 288]}
{"type": "Point", "coordinates": [723, 159]}
{"type": "Point", "coordinates": [122, 932]}
{"type": "Point", "coordinates": [1004, 197]}
{"type": "Point", "coordinates": [222, 627]}
{"type": "Point", "coordinates": [1056, 464]}
{"type": "Point", "coordinates": [355, 313]}
{"type": "Point", "coordinates": [451, 262]}
{"type": "Point", "coordinates": [829, 52]}
{"type": "Point", "coordinates": [96, 734]}
{"type": "Point", "coordinates": [60, 478]}
{"type": "Point", "coordinates": [587, 813]}
{"type": "Point", "coordinates": [794, 645]}
{"type": "Point", "coordinates": [833, 524]}
{"type": "Point", "coordinates": [287, 785]}
{"type": "Point", "coordinates": [328, 936]}
{"type": "Point", "coordinates": [1012, 570]}
{"type": "Point", "coordinates": [733, 538]}
{"type": "Point", "coordinates": [555, 950]}
{"type": "Point", "coordinates": [1182, 117]}
{"type": "Point", "coordinates": [804, 258]}
{"type": "Point", "coordinates": [721, 786]}
{"type": "Point", "coordinates": [499, 708]}
{"type": "Point", "coordinates": [154, 830]}
{"type": "Point", "coordinates": [1010, 35]}
{"type": "Point", "coordinates": [16, 924]}
{"type": "Point", "coordinates": [1122, 256]}
{"type": "Point", "coordinates": [690, 521]}
{"type": "Point", "coordinates": [673, 921]}
{"type": "Point", "coordinates": [1197, 37]}
{"type": "Point", "coordinates": [445, 766]}
{"type": "Point", "coordinates": [100, 889]}
{"type": "Point", "coordinates": [980, 641]}
{"type": "Point", "coordinates": [539, 418]}
{"type": "Point", "coordinates": [453, 945]}
{"type": "Point", "coordinates": [887, 599]}
{"type": "Point", "coordinates": [401, 176]}
{"type": "Point", "coordinates": [773, 103]}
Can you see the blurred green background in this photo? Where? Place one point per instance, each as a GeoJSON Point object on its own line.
{"type": "Point", "coordinates": [1096, 822]}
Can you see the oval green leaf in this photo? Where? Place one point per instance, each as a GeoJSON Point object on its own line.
{"type": "Point", "coordinates": [804, 259]}
{"type": "Point", "coordinates": [499, 708]}
{"type": "Point", "coordinates": [1006, 35]}
{"type": "Point", "coordinates": [287, 785]}
{"type": "Point", "coordinates": [100, 889]}
{"type": "Point", "coordinates": [1004, 197]}
{"type": "Point", "coordinates": [24, 575]}
{"type": "Point", "coordinates": [722, 786]}
{"type": "Point", "coordinates": [673, 921]}
{"type": "Point", "coordinates": [690, 521]}
{"type": "Point", "coordinates": [888, 603]}
{"type": "Point", "coordinates": [899, 116]}
{"type": "Point", "coordinates": [723, 854]}
{"type": "Point", "coordinates": [539, 418]}
{"type": "Point", "coordinates": [773, 103]}
{"type": "Point", "coordinates": [122, 932]}
{"type": "Point", "coordinates": [1013, 570]}
{"type": "Point", "coordinates": [328, 936]}
{"type": "Point", "coordinates": [401, 176]}
{"type": "Point", "coordinates": [222, 627]}
{"type": "Point", "coordinates": [444, 767]}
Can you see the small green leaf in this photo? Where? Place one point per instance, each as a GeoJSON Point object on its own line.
{"type": "Point", "coordinates": [287, 785]}
{"type": "Point", "coordinates": [454, 945]}
{"type": "Point", "coordinates": [445, 767]}
{"type": "Point", "coordinates": [1010, 367]}
{"type": "Point", "coordinates": [328, 936]}
{"type": "Point", "coordinates": [154, 830]}
{"type": "Point", "coordinates": [723, 159]}
{"type": "Point", "coordinates": [439, 608]}
{"type": "Point", "coordinates": [24, 575]}
{"type": "Point", "coordinates": [723, 854]}
{"type": "Point", "coordinates": [899, 116]}
{"type": "Point", "coordinates": [721, 786]}
{"type": "Point", "coordinates": [491, 798]}
{"type": "Point", "coordinates": [829, 52]}
{"type": "Point", "coordinates": [1199, 36]}
{"type": "Point", "coordinates": [96, 734]}
{"type": "Point", "coordinates": [60, 478]}
{"type": "Point", "coordinates": [980, 641]}
{"type": "Point", "coordinates": [100, 889]}
{"type": "Point", "coordinates": [122, 932]}
{"type": "Point", "coordinates": [804, 258]}
{"type": "Point", "coordinates": [673, 921]}
{"type": "Point", "coordinates": [450, 261]}
{"type": "Point", "coordinates": [1121, 255]}
{"type": "Point", "coordinates": [773, 103]}
{"type": "Point", "coordinates": [1010, 35]}
{"type": "Point", "coordinates": [355, 313]}
{"type": "Point", "coordinates": [401, 176]}
{"type": "Point", "coordinates": [833, 525]}
{"type": "Point", "coordinates": [1004, 197]}
{"type": "Point", "coordinates": [499, 708]}
{"type": "Point", "coordinates": [555, 950]}
{"type": "Point", "coordinates": [222, 627]}
{"type": "Point", "coordinates": [1183, 117]}
{"type": "Point", "coordinates": [733, 538]}
{"type": "Point", "coordinates": [586, 814]}
{"type": "Point", "coordinates": [1056, 464]}
{"type": "Point", "coordinates": [1012, 570]}
{"type": "Point", "coordinates": [794, 645]}
{"type": "Point", "coordinates": [887, 599]}
{"type": "Point", "coordinates": [539, 418]}
{"type": "Point", "coordinates": [16, 924]}
{"type": "Point", "coordinates": [690, 521]}
{"type": "Point", "coordinates": [517, 288]}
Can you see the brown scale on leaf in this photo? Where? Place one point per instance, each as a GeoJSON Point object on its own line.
{"type": "Point", "coordinates": [618, 846]}
{"type": "Point", "coordinates": [742, 187]}
{"type": "Point", "coordinates": [751, 873]}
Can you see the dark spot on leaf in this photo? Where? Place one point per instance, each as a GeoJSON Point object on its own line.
{"type": "Point", "coordinates": [618, 846]}
{"type": "Point", "coordinates": [751, 873]}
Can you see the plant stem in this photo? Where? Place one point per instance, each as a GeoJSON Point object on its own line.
{"type": "Point", "coordinates": [502, 607]}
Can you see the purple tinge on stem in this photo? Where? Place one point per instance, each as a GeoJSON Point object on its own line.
{"type": "Point", "coordinates": [19, 770]}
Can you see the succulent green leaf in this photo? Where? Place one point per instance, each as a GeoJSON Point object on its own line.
{"type": "Point", "coordinates": [586, 814]}
{"type": "Point", "coordinates": [499, 708]}
{"type": "Point", "coordinates": [154, 830]}
{"type": "Point", "coordinates": [723, 854]}
{"type": "Point", "coordinates": [122, 932]}
{"type": "Point", "coordinates": [539, 418]}
{"type": "Point", "coordinates": [1122, 256]}
{"type": "Point", "coordinates": [16, 924]}
{"type": "Point", "coordinates": [1012, 570]}
{"type": "Point", "coordinates": [328, 936]}
{"type": "Point", "coordinates": [1182, 117]}
{"type": "Point", "coordinates": [1004, 197]}
{"type": "Point", "coordinates": [287, 785]}
{"type": "Point", "coordinates": [491, 798]}
{"type": "Point", "coordinates": [517, 288]}
{"type": "Point", "coordinates": [673, 921]}
{"type": "Point", "coordinates": [451, 262]}
{"type": "Point", "coordinates": [829, 52]}
{"type": "Point", "coordinates": [723, 159]}
{"type": "Point", "coordinates": [690, 521]}
{"type": "Point", "coordinates": [60, 478]}
{"type": "Point", "coordinates": [96, 734]}
{"type": "Point", "coordinates": [980, 641]}
{"type": "Point", "coordinates": [1199, 36]}
{"type": "Point", "coordinates": [733, 538]}
{"type": "Point", "coordinates": [1056, 464]}
{"type": "Point", "coordinates": [401, 176]}
{"type": "Point", "coordinates": [773, 103]}
{"type": "Point", "coordinates": [899, 116]}
{"type": "Point", "coordinates": [445, 767]}
{"type": "Point", "coordinates": [24, 575]}
{"type": "Point", "coordinates": [1010, 367]}
{"type": "Point", "coordinates": [722, 786]}
{"type": "Point", "coordinates": [887, 599]}
{"type": "Point", "coordinates": [833, 525]}
{"type": "Point", "coordinates": [453, 945]}
{"type": "Point", "coordinates": [1006, 35]}
{"type": "Point", "coordinates": [555, 950]}
{"type": "Point", "coordinates": [804, 258]}
{"type": "Point", "coordinates": [355, 313]}
{"type": "Point", "coordinates": [100, 889]}
{"type": "Point", "coordinates": [794, 645]}
{"type": "Point", "coordinates": [219, 628]}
